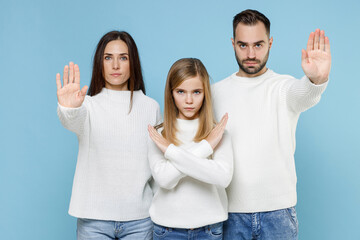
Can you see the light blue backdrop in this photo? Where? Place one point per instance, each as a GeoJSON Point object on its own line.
{"type": "Point", "coordinates": [38, 156]}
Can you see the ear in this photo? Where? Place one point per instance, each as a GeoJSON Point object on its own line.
{"type": "Point", "coordinates": [270, 42]}
{"type": "Point", "coordinates": [233, 43]}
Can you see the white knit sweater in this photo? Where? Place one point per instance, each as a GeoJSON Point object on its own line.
{"type": "Point", "coordinates": [112, 173]}
{"type": "Point", "coordinates": [192, 180]}
{"type": "Point", "coordinates": [263, 114]}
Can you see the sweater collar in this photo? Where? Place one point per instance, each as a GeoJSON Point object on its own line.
{"type": "Point", "coordinates": [187, 129]}
{"type": "Point", "coordinates": [121, 96]}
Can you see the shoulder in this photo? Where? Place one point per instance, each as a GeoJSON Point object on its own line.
{"type": "Point", "coordinates": [223, 82]}
{"type": "Point", "coordinates": [221, 86]}
{"type": "Point", "coordinates": [276, 77]}
{"type": "Point", "coordinates": [226, 134]}
{"type": "Point", "coordinates": [146, 99]}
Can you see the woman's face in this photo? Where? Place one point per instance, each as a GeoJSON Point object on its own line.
{"type": "Point", "coordinates": [116, 70]}
{"type": "Point", "coordinates": [189, 96]}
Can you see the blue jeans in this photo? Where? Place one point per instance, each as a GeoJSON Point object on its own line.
{"type": "Point", "coordinates": [275, 225]}
{"type": "Point", "coordinates": [89, 229]}
{"type": "Point", "coordinates": [214, 232]}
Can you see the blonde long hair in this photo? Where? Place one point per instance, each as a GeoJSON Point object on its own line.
{"type": "Point", "coordinates": [180, 71]}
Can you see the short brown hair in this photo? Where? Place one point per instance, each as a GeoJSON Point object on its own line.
{"type": "Point", "coordinates": [251, 17]}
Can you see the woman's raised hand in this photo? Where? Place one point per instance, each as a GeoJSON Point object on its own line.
{"type": "Point", "coordinates": [70, 95]}
{"type": "Point", "coordinates": [216, 134]}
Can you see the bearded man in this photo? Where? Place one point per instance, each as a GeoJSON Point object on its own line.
{"type": "Point", "coordinates": [263, 109]}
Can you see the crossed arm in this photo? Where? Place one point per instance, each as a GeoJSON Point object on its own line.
{"type": "Point", "coordinates": [170, 163]}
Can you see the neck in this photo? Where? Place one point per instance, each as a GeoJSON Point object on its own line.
{"type": "Point", "coordinates": [241, 73]}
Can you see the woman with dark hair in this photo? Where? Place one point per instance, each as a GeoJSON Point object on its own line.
{"type": "Point", "coordinates": [111, 191]}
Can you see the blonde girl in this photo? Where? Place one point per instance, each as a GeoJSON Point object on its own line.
{"type": "Point", "coordinates": [190, 159]}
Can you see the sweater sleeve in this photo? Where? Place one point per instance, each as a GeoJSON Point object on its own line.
{"type": "Point", "coordinates": [158, 115]}
{"type": "Point", "coordinates": [217, 170]}
{"type": "Point", "coordinates": [163, 171]}
{"type": "Point", "coordinates": [303, 94]}
{"type": "Point", "coordinates": [201, 149]}
{"type": "Point", "coordinates": [73, 119]}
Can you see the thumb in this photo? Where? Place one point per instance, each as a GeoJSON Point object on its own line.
{"type": "Point", "coordinates": [303, 56]}
{"type": "Point", "coordinates": [83, 90]}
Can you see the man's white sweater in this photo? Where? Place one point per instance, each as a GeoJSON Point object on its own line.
{"type": "Point", "coordinates": [192, 180]}
{"type": "Point", "coordinates": [112, 173]}
{"type": "Point", "coordinates": [263, 114]}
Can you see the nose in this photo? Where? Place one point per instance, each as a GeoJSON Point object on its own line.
{"type": "Point", "coordinates": [116, 64]}
{"type": "Point", "coordinates": [251, 52]}
{"type": "Point", "coordinates": [189, 98]}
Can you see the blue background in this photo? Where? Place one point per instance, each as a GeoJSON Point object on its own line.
{"type": "Point", "coordinates": [38, 156]}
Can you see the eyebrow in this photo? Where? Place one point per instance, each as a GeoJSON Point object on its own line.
{"type": "Point", "coordinates": [119, 54]}
{"type": "Point", "coordinates": [240, 42]}
{"type": "Point", "coordinates": [198, 89]}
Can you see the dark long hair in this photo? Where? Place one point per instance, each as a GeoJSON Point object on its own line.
{"type": "Point", "coordinates": [135, 81]}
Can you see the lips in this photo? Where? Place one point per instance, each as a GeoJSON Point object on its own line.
{"type": "Point", "coordinates": [115, 74]}
{"type": "Point", "coordinates": [251, 63]}
{"type": "Point", "coordinates": [189, 109]}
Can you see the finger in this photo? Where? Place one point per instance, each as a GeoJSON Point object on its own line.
{"type": "Point", "coordinates": [223, 125]}
{"type": "Point", "coordinates": [226, 120]}
{"type": "Point", "coordinates": [58, 81]}
{"type": "Point", "coordinates": [71, 74]}
{"type": "Point", "coordinates": [153, 132]}
{"type": "Point", "coordinates": [322, 40]}
{"type": "Point", "coordinates": [317, 39]}
{"type": "Point", "coordinates": [303, 56]}
{"type": "Point", "coordinates": [223, 120]}
{"type": "Point", "coordinates": [77, 74]}
{"type": "Point", "coordinates": [327, 45]}
{"type": "Point", "coordinates": [66, 75]}
{"type": "Point", "coordinates": [150, 132]}
{"type": "Point", "coordinates": [310, 44]}
{"type": "Point", "coordinates": [83, 90]}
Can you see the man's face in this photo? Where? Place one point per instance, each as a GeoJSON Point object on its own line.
{"type": "Point", "coordinates": [252, 46]}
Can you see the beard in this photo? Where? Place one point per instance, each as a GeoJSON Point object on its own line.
{"type": "Point", "coordinates": [252, 69]}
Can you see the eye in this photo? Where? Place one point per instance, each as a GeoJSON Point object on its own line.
{"type": "Point", "coordinates": [197, 92]}
{"type": "Point", "coordinates": [107, 58]}
{"type": "Point", "coordinates": [123, 58]}
{"type": "Point", "coordinates": [180, 91]}
{"type": "Point", "coordinates": [258, 45]}
{"type": "Point", "coordinates": [242, 46]}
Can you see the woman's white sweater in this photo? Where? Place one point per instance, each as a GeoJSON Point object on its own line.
{"type": "Point", "coordinates": [112, 177]}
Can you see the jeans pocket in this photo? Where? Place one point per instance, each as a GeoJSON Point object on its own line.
{"type": "Point", "coordinates": [292, 215]}
{"type": "Point", "coordinates": [160, 231]}
{"type": "Point", "coordinates": [216, 230]}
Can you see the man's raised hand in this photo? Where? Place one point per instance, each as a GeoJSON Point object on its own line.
{"type": "Point", "coordinates": [70, 95]}
{"type": "Point", "coordinates": [316, 59]}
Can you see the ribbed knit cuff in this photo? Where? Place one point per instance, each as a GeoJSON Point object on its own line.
{"type": "Point", "coordinates": [170, 151]}
{"type": "Point", "coordinates": [314, 88]}
{"type": "Point", "coordinates": [203, 149]}
{"type": "Point", "coordinates": [70, 112]}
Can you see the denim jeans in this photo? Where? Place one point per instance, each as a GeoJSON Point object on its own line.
{"type": "Point", "coordinates": [275, 225]}
{"type": "Point", "coordinates": [89, 229]}
{"type": "Point", "coordinates": [214, 232]}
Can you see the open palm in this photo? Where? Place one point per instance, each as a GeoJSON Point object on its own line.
{"type": "Point", "coordinates": [70, 95]}
{"type": "Point", "coordinates": [316, 59]}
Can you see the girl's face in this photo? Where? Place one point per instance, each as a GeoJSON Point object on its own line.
{"type": "Point", "coordinates": [116, 64]}
{"type": "Point", "coordinates": [189, 96]}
